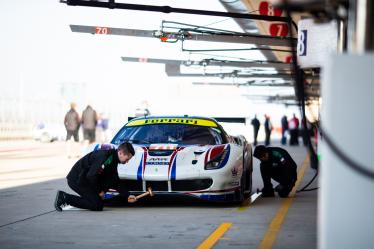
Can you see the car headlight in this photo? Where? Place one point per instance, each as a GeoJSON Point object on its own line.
{"type": "Point", "coordinates": [219, 161]}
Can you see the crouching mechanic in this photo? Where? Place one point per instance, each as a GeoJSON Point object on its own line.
{"type": "Point", "coordinates": [278, 165]}
{"type": "Point", "coordinates": [92, 175]}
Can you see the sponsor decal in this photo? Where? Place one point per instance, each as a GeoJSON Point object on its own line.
{"type": "Point", "coordinates": [187, 121]}
{"type": "Point", "coordinates": [163, 146]}
{"type": "Point", "coordinates": [158, 161]}
{"type": "Point", "coordinates": [234, 172]}
{"type": "Point", "coordinates": [234, 183]}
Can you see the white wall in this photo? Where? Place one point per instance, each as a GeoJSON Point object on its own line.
{"type": "Point", "coordinates": [346, 203]}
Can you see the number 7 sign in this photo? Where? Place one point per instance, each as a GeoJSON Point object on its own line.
{"type": "Point", "coordinates": [278, 29]}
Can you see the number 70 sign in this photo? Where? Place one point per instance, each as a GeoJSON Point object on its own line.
{"type": "Point", "coordinates": [102, 30]}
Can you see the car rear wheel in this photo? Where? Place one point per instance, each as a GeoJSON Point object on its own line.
{"type": "Point", "coordinates": [239, 194]}
{"type": "Point", "coordinates": [248, 188]}
{"type": "Point", "coordinates": [245, 184]}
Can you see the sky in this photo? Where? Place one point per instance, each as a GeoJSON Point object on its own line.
{"type": "Point", "coordinates": [40, 55]}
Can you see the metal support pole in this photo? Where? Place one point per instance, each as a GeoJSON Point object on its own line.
{"type": "Point", "coordinates": [364, 26]}
{"type": "Point", "coordinates": [342, 36]}
{"type": "Point", "coordinates": [111, 4]}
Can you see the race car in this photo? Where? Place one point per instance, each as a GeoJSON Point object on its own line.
{"type": "Point", "coordinates": [189, 156]}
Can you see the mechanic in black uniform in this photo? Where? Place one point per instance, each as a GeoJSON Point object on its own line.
{"type": "Point", "coordinates": [92, 175]}
{"type": "Point", "coordinates": [278, 165]}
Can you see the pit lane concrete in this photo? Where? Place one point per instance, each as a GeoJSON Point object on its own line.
{"type": "Point", "coordinates": [30, 174]}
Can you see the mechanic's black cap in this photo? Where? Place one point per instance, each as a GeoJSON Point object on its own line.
{"type": "Point", "coordinates": [260, 151]}
{"type": "Point", "coordinates": [127, 148]}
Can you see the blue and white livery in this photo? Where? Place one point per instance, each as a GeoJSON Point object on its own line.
{"type": "Point", "coordinates": [190, 156]}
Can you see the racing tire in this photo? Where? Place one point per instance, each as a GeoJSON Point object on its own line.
{"type": "Point", "coordinates": [248, 191]}
{"type": "Point", "coordinates": [249, 180]}
{"type": "Point", "coordinates": [240, 193]}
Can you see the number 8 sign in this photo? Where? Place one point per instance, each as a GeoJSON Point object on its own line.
{"type": "Point", "coordinates": [267, 9]}
{"type": "Point", "coordinates": [302, 43]}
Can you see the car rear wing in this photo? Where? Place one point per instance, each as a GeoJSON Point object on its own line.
{"type": "Point", "coordinates": [231, 120]}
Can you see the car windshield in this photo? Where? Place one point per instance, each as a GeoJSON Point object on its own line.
{"type": "Point", "coordinates": [170, 133]}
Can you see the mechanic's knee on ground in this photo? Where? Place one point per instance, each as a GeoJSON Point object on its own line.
{"type": "Point", "coordinates": [283, 191]}
{"type": "Point", "coordinates": [283, 194]}
{"type": "Point", "coordinates": [98, 206]}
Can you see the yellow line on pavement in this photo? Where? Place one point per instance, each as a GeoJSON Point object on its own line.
{"type": "Point", "coordinates": [215, 236]}
{"type": "Point", "coordinates": [225, 238]}
{"type": "Point", "coordinates": [276, 223]}
{"type": "Point", "coordinates": [244, 205]}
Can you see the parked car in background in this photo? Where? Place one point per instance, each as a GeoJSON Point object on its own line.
{"type": "Point", "coordinates": [49, 132]}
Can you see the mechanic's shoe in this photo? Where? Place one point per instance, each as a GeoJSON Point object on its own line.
{"type": "Point", "coordinates": [60, 201]}
{"type": "Point", "coordinates": [267, 192]}
{"type": "Point", "coordinates": [283, 191]}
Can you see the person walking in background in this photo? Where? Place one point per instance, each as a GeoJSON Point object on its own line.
{"type": "Point", "coordinates": [89, 122]}
{"type": "Point", "coordinates": [103, 125]}
{"type": "Point", "coordinates": [307, 132]}
{"type": "Point", "coordinates": [256, 126]}
{"type": "Point", "coordinates": [72, 123]}
{"type": "Point", "coordinates": [268, 128]}
{"type": "Point", "coordinates": [284, 123]}
{"type": "Point", "coordinates": [293, 126]}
